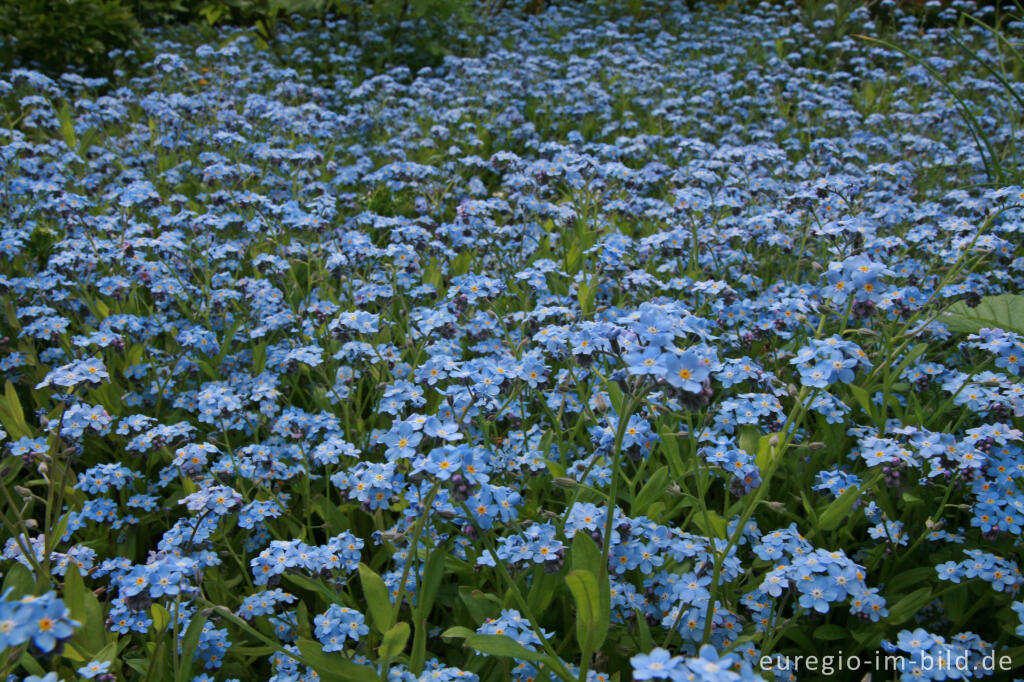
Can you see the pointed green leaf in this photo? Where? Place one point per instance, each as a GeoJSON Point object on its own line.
{"type": "Point", "coordinates": [583, 585]}
{"type": "Point", "coordinates": [19, 580]}
{"type": "Point", "coordinates": [74, 593]}
{"type": "Point", "coordinates": [377, 602]}
{"type": "Point", "coordinates": [161, 617]}
{"type": "Point", "coordinates": [12, 417]}
{"type": "Point", "coordinates": [433, 573]}
{"type": "Point", "coordinates": [501, 645]}
{"type": "Point", "coordinates": [393, 642]}
{"type": "Point", "coordinates": [334, 667]}
{"type": "Point", "coordinates": [838, 509]}
{"type": "Point", "coordinates": [909, 605]}
{"type": "Point", "coordinates": [189, 644]}
{"type": "Point", "coordinates": [652, 491]}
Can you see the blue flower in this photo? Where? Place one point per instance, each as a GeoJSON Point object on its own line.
{"type": "Point", "coordinates": [91, 670]}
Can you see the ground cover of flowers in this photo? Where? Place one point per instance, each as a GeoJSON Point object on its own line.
{"type": "Point", "coordinates": [311, 373]}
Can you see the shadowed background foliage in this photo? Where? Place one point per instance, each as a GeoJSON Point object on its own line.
{"type": "Point", "coordinates": [95, 37]}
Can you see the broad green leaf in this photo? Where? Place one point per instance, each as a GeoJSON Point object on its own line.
{"type": "Point", "coordinates": [1004, 311]}
{"type": "Point", "coordinates": [710, 523]}
{"type": "Point", "coordinates": [829, 632]}
{"type": "Point", "coordinates": [419, 647]}
{"type": "Point", "coordinates": [586, 556]}
{"type": "Point", "coordinates": [74, 593]}
{"type": "Point", "coordinates": [67, 126]}
{"type": "Point", "coordinates": [909, 605]}
{"type": "Point", "coordinates": [393, 642]}
{"type": "Point", "coordinates": [458, 631]}
{"type": "Point", "coordinates": [652, 491]}
{"type": "Point", "coordinates": [763, 457]}
{"type": "Point", "coordinates": [543, 590]}
{"type": "Point", "coordinates": [19, 580]}
{"type": "Point", "coordinates": [956, 603]}
{"type": "Point", "coordinates": [433, 573]}
{"type": "Point", "coordinates": [910, 578]}
{"type": "Point", "coordinates": [493, 645]}
{"type": "Point", "coordinates": [589, 633]}
{"type": "Point", "coordinates": [92, 636]}
{"type": "Point", "coordinates": [12, 417]}
{"type": "Point", "coordinates": [161, 617]}
{"type": "Point", "coordinates": [259, 358]}
{"type": "Point", "coordinates": [189, 644]}
{"type": "Point", "coordinates": [749, 439]}
{"type": "Point", "coordinates": [377, 602]}
{"type": "Point", "coordinates": [305, 582]}
{"type": "Point", "coordinates": [460, 264]}
{"type": "Point", "coordinates": [573, 259]}
{"type": "Point", "coordinates": [587, 294]}
{"type": "Point", "coordinates": [616, 397]}
{"type": "Point", "coordinates": [334, 667]}
{"type": "Point", "coordinates": [29, 662]}
{"type": "Point", "coordinates": [670, 446]}
{"type": "Point", "coordinates": [480, 606]}
{"type": "Point", "coordinates": [863, 399]}
{"type": "Point", "coordinates": [914, 353]}
{"type": "Point", "coordinates": [839, 509]}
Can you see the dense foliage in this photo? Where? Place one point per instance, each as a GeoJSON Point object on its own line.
{"type": "Point", "coordinates": [103, 37]}
{"type": "Point", "coordinates": [316, 372]}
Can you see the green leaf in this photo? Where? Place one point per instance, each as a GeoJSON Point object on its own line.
{"type": "Point", "coordinates": [12, 417]}
{"type": "Point", "coordinates": [829, 632]}
{"type": "Point", "coordinates": [586, 556]}
{"type": "Point", "coordinates": [909, 605]}
{"type": "Point", "coordinates": [863, 399]}
{"type": "Point", "coordinates": [1005, 311]}
{"type": "Point", "coordinates": [19, 580]}
{"type": "Point", "coordinates": [259, 357]}
{"type": "Point", "coordinates": [480, 606]}
{"type": "Point", "coordinates": [419, 647]}
{"type": "Point", "coordinates": [749, 439]}
{"type": "Point", "coordinates": [393, 642]}
{"type": "Point", "coordinates": [956, 603]}
{"type": "Point", "coordinates": [618, 400]}
{"type": "Point", "coordinates": [543, 590]}
{"type": "Point", "coordinates": [458, 632]}
{"type": "Point", "coordinates": [92, 635]}
{"type": "Point", "coordinates": [573, 259]}
{"type": "Point", "coordinates": [30, 664]}
{"type": "Point", "coordinates": [493, 645]}
{"type": "Point", "coordinates": [433, 573]}
{"type": "Point", "coordinates": [713, 525]}
{"type": "Point", "coordinates": [189, 644]}
{"type": "Point", "coordinates": [670, 446]}
{"type": "Point", "coordinates": [334, 667]}
{"type": "Point", "coordinates": [161, 617]}
{"type": "Point", "coordinates": [839, 509]}
{"type": "Point", "coordinates": [763, 457]}
{"type": "Point", "coordinates": [229, 336]}
{"type": "Point", "coordinates": [914, 353]}
{"type": "Point", "coordinates": [67, 126]}
{"type": "Point", "coordinates": [652, 491]}
{"type": "Point", "coordinates": [587, 294]}
{"type": "Point", "coordinates": [74, 593]}
{"type": "Point", "coordinates": [583, 585]}
{"type": "Point", "coordinates": [909, 578]}
{"type": "Point", "coordinates": [377, 602]}
{"type": "Point", "coordinates": [460, 264]}
{"type": "Point", "coordinates": [307, 583]}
